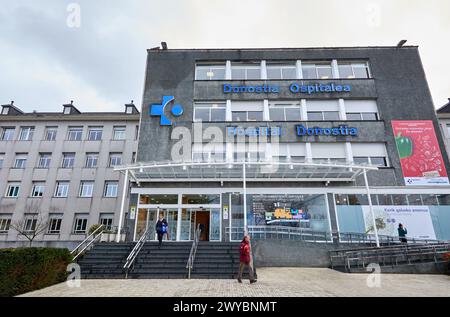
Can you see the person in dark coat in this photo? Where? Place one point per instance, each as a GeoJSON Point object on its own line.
{"type": "Point", "coordinates": [161, 229]}
{"type": "Point", "coordinates": [245, 260]}
{"type": "Point", "coordinates": [402, 233]}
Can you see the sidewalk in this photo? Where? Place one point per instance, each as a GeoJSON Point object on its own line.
{"type": "Point", "coordinates": [279, 282]}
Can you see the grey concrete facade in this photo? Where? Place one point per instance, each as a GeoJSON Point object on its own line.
{"type": "Point", "coordinates": [93, 207]}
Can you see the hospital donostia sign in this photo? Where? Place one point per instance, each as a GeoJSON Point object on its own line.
{"type": "Point", "coordinates": [294, 88]}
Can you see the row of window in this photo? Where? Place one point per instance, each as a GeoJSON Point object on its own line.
{"type": "Point", "coordinates": [86, 189]}
{"type": "Point", "coordinates": [68, 160]}
{"type": "Point", "coordinates": [313, 110]}
{"type": "Point", "coordinates": [54, 223]}
{"type": "Point", "coordinates": [73, 133]}
{"type": "Point", "coordinates": [390, 200]}
{"type": "Point", "coordinates": [283, 70]}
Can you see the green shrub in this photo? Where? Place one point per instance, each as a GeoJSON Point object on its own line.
{"type": "Point", "coordinates": [27, 269]}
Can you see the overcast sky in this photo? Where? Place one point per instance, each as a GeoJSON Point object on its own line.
{"type": "Point", "coordinates": [46, 60]}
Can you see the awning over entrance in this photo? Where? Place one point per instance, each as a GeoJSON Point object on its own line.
{"type": "Point", "coordinates": [234, 171]}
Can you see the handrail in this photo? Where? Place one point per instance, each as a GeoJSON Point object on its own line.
{"type": "Point", "coordinates": [85, 240]}
{"type": "Point", "coordinates": [135, 251]}
{"type": "Point", "coordinates": [190, 262]}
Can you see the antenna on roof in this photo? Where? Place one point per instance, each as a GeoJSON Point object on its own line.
{"type": "Point", "coordinates": [71, 102]}
{"type": "Point", "coordinates": [401, 43]}
{"type": "Point", "coordinates": [12, 102]}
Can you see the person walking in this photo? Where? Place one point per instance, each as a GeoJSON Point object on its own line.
{"type": "Point", "coordinates": [245, 260]}
{"type": "Point", "coordinates": [402, 233]}
{"type": "Point", "coordinates": [161, 229]}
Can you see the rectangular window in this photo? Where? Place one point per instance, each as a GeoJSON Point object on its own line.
{"type": "Point", "coordinates": [119, 133]}
{"type": "Point", "coordinates": [80, 224]}
{"type": "Point", "coordinates": [38, 189]}
{"type": "Point", "coordinates": [328, 152]}
{"type": "Point", "coordinates": [86, 189]}
{"type": "Point", "coordinates": [210, 72]}
{"type": "Point", "coordinates": [378, 161]}
{"type": "Point", "coordinates": [13, 190]}
{"type": "Point", "coordinates": [2, 159]}
{"type": "Point", "coordinates": [281, 71]}
{"type": "Point", "coordinates": [95, 133]}
{"type": "Point", "coordinates": [133, 158]}
{"type": "Point", "coordinates": [239, 116]}
{"type": "Point", "coordinates": [107, 220]}
{"type": "Point", "coordinates": [7, 134]}
{"type": "Point", "coordinates": [68, 160]}
{"type": "Point", "coordinates": [54, 225]}
{"type": "Point", "coordinates": [50, 133]}
{"type": "Point", "coordinates": [136, 132]}
{"type": "Point", "coordinates": [361, 110]}
{"type": "Point", "coordinates": [75, 133]}
{"type": "Point", "coordinates": [351, 70]}
{"type": "Point", "coordinates": [115, 159]}
{"type": "Point", "coordinates": [21, 161]}
{"type": "Point", "coordinates": [370, 153]}
{"type": "Point", "coordinates": [210, 112]}
{"type": "Point", "coordinates": [26, 133]}
{"type": "Point", "coordinates": [111, 188]}
{"type": "Point", "coordinates": [30, 223]}
{"type": "Point", "coordinates": [250, 71]}
{"type": "Point", "coordinates": [208, 152]}
{"type": "Point", "coordinates": [62, 189]}
{"type": "Point", "coordinates": [44, 160]}
{"type": "Point", "coordinates": [5, 222]}
{"type": "Point", "coordinates": [91, 160]}
{"type": "Point", "coordinates": [317, 70]}
{"type": "Point", "coordinates": [361, 160]}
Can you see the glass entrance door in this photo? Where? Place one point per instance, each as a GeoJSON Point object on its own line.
{"type": "Point", "coordinates": [147, 219]}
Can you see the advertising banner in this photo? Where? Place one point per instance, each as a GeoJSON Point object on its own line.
{"type": "Point", "coordinates": [419, 152]}
{"type": "Point", "coordinates": [416, 220]}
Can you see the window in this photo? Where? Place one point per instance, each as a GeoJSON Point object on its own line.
{"type": "Point", "coordinates": [5, 110]}
{"type": "Point", "coordinates": [119, 133]}
{"type": "Point", "coordinates": [68, 160]}
{"type": "Point", "coordinates": [38, 189]}
{"type": "Point", "coordinates": [26, 133]}
{"type": "Point", "coordinates": [75, 133]}
{"type": "Point", "coordinates": [281, 71]}
{"type": "Point", "coordinates": [246, 71]}
{"type": "Point", "coordinates": [2, 159]}
{"type": "Point", "coordinates": [62, 189]}
{"type": "Point", "coordinates": [21, 161]}
{"type": "Point", "coordinates": [107, 220]}
{"type": "Point", "coordinates": [361, 160]}
{"type": "Point", "coordinates": [12, 190]}
{"type": "Point", "coordinates": [323, 110]}
{"type": "Point", "coordinates": [247, 116]}
{"type": "Point", "coordinates": [323, 116]}
{"type": "Point", "coordinates": [361, 110]}
{"type": "Point", "coordinates": [111, 188]}
{"type": "Point", "coordinates": [95, 133]}
{"type": "Point", "coordinates": [115, 159]}
{"type": "Point", "coordinates": [133, 158]}
{"type": "Point", "coordinates": [80, 224]}
{"type": "Point", "coordinates": [378, 161]}
{"type": "Point", "coordinates": [136, 132]}
{"type": "Point", "coordinates": [54, 226]}
{"type": "Point", "coordinates": [91, 160]}
{"type": "Point", "coordinates": [370, 153]}
{"type": "Point", "coordinates": [210, 72]}
{"type": "Point", "coordinates": [208, 152]}
{"type": "Point", "coordinates": [5, 222]}
{"type": "Point", "coordinates": [328, 152]}
{"type": "Point", "coordinates": [284, 112]}
{"type": "Point", "coordinates": [44, 160]}
{"type": "Point", "coordinates": [352, 70]}
{"type": "Point", "coordinates": [7, 134]}
{"type": "Point", "coordinates": [129, 110]}
{"type": "Point", "coordinates": [320, 70]}
{"type": "Point", "coordinates": [30, 223]}
{"type": "Point", "coordinates": [210, 112]}
{"type": "Point", "coordinates": [202, 199]}
{"type": "Point", "coordinates": [50, 133]}
{"type": "Point", "coordinates": [86, 189]}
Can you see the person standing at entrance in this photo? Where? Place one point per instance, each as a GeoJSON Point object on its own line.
{"type": "Point", "coordinates": [402, 233]}
{"type": "Point", "coordinates": [245, 260]}
{"type": "Point", "coordinates": [161, 229]}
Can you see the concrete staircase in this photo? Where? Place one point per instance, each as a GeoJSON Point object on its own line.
{"type": "Point", "coordinates": [214, 260]}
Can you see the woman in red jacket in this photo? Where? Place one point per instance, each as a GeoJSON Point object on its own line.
{"type": "Point", "coordinates": [245, 260]}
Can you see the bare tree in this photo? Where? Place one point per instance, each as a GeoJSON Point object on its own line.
{"type": "Point", "coordinates": [31, 225]}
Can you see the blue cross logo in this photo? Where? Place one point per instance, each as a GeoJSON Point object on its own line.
{"type": "Point", "coordinates": [158, 110]}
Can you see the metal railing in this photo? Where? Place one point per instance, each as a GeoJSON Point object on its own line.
{"type": "Point", "coordinates": [236, 233]}
{"type": "Point", "coordinates": [76, 252]}
{"type": "Point", "coordinates": [389, 255]}
{"type": "Point", "coordinates": [191, 259]}
{"type": "Point", "coordinates": [135, 251]}
{"type": "Point", "coordinates": [289, 233]}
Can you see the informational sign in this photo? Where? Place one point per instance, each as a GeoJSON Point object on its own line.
{"type": "Point", "coordinates": [419, 152]}
{"type": "Point", "coordinates": [225, 212]}
{"type": "Point", "coordinates": [416, 220]}
{"type": "Point", "coordinates": [132, 212]}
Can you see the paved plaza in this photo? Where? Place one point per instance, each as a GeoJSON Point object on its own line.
{"type": "Point", "coordinates": [280, 282]}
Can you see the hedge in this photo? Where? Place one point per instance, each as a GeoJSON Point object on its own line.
{"type": "Point", "coordinates": [27, 269]}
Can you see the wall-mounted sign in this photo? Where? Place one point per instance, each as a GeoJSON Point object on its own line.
{"type": "Point", "coordinates": [342, 130]}
{"type": "Point", "coordinates": [419, 152]}
{"type": "Point", "coordinates": [225, 212]}
{"type": "Point", "coordinates": [254, 131]}
{"type": "Point", "coordinates": [132, 212]}
{"type": "Point", "coordinates": [294, 88]}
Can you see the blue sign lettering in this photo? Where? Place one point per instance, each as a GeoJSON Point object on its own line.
{"type": "Point", "coordinates": [265, 131]}
{"type": "Point", "coordinates": [294, 88]}
{"type": "Point", "coordinates": [342, 130]}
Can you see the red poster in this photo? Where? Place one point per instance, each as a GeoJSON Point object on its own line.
{"type": "Point", "coordinates": [419, 152]}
